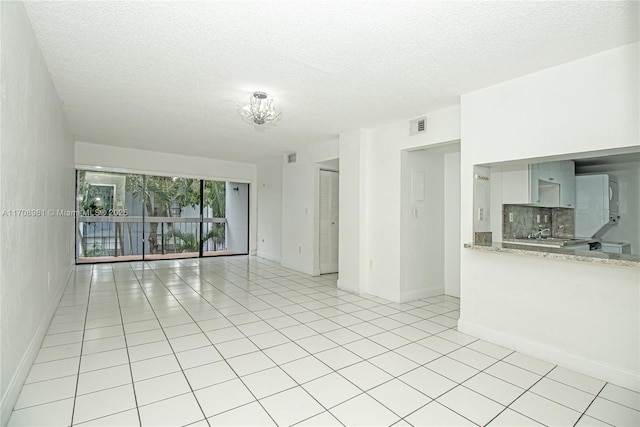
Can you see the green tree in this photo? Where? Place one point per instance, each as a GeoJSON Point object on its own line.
{"type": "Point", "coordinates": [160, 194]}
{"type": "Point", "coordinates": [188, 242]}
{"type": "Point", "coordinates": [162, 197]}
{"type": "Point", "coordinates": [214, 193]}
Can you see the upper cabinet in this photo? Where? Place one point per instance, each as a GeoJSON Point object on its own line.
{"type": "Point", "coordinates": [550, 184]}
{"type": "Point", "coordinates": [553, 184]}
{"type": "Point", "coordinates": [568, 184]}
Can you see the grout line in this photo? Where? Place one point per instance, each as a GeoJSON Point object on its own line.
{"type": "Point", "coordinates": [174, 355]}
{"type": "Point", "coordinates": [75, 394]}
{"type": "Point", "coordinates": [135, 396]}
{"type": "Point", "coordinates": [277, 365]}
{"type": "Point", "coordinates": [246, 284]}
{"type": "Point", "coordinates": [589, 405]}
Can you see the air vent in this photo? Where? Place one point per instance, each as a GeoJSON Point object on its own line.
{"type": "Point", "coordinates": [418, 126]}
{"type": "Point", "coordinates": [291, 158]}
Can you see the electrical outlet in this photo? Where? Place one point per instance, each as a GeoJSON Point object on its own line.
{"type": "Point", "coordinates": [538, 219]}
{"type": "Point", "coordinates": [480, 214]}
{"type": "Point", "coordinates": [546, 218]}
{"type": "Point", "coordinates": [510, 216]}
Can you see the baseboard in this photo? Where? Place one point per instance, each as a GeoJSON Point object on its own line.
{"type": "Point", "coordinates": [298, 267]}
{"type": "Point", "coordinates": [406, 296]}
{"type": "Point", "coordinates": [15, 385]}
{"type": "Point", "coordinates": [269, 257]}
{"type": "Point", "coordinates": [621, 377]}
{"type": "Point", "coordinates": [346, 287]}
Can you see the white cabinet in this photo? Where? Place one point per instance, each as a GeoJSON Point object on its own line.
{"type": "Point", "coordinates": [514, 184]}
{"type": "Point", "coordinates": [553, 184]}
{"type": "Point", "coordinates": [550, 184]}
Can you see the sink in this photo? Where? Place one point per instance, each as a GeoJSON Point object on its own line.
{"type": "Point", "coordinates": [550, 242]}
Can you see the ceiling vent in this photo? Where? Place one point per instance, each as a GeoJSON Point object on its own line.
{"type": "Point", "coordinates": [291, 158]}
{"type": "Point", "coordinates": [418, 126]}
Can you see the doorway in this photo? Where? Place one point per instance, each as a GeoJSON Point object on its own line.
{"type": "Point", "coordinates": [430, 221]}
{"type": "Point", "coordinates": [329, 221]}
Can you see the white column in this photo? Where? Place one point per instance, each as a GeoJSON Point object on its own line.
{"type": "Point", "coordinates": [353, 215]}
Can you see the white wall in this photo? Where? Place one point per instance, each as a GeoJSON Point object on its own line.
{"type": "Point", "coordinates": [481, 199]}
{"type": "Point", "coordinates": [163, 164]}
{"type": "Point", "coordinates": [237, 214]}
{"type": "Point", "coordinates": [560, 311]}
{"type": "Point", "coordinates": [118, 159]}
{"type": "Point", "coordinates": [430, 228]}
{"type": "Point", "coordinates": [299, 214]}
{"type": "Point", "coordinates": [270, 210]}
{"type": "Point", "coordinates": [379, 212]}
{"type": "Point", "coordinates": [581, 316]}
{"type": "Point", "coordinates": [585, 105]}
{"type": "Point", "coordinates": [352, 246]}
{"type": "Point", "coordinates": [329, 150]}
{"type": "Point", "coordinates": [370, 185]}
{"type": "Point", "coordinates": [452, 243]}
{"type": "Point", "coordinates": [300, 207]}
{"type": "Point", "coordinates": [627, 175]}
{"type": "Point", "coordinates": [36, 172]}
{"type": "Point", "coordinates": [422, 225]}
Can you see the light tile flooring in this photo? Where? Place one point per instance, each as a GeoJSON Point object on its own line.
{"type": "Point", "coordinates": [242, 341]}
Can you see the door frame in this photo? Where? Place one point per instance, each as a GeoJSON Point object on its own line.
{"type": "Point", "coordinates": [320, 171]}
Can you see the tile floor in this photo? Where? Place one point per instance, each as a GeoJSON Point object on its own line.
{"type": "Point", "coordinates": [242, 341]}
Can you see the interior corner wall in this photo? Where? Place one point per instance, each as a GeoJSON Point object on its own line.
{"type": "Point", "coordinates": [352, 198]}
{"type": "Point", "coordinates": [36, 174]}
{"type": "Point", "coordinates": [327, 151]}
{"type": "Point", "coordinates": [270, 210]}
{"type": "Point", "coordinates": [560, 311]}
{"type": "Point", "coordinates": [383, 187]}
{"type": "Point", "coordinates": [299, 214]}
{"type": "Point", "coordinates": [300, 208]}
{"type": "Point", "coordinates": [452, 243]}
{"type": "Point", "coordinates": [422, 235]}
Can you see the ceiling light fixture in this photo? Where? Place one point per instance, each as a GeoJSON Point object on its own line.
{"type": "Point", "coordinates": [260, 110]}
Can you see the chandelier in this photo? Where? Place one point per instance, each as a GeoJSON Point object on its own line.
{"type": "Point", "coordinates": [260, 110]}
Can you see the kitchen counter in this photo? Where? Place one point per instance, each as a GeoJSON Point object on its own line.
{"type": "Point", "coordinates": [593, 257]}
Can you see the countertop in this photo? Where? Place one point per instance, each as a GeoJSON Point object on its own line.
{"type": "Point", "coordinates": [593, 257]}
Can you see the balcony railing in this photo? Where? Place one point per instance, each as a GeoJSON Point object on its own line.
{"type": "Point", "coordinates": [136, 237]}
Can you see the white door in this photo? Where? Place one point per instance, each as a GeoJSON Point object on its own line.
{"type": "Point", "coordinates": [329, 227]}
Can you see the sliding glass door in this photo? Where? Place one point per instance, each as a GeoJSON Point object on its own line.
{"type": "Point", "coordinates": [108, 217]}
{"type": "Point", "coordinates": [214, 221]}
{"type": "Point", "coordinates": [124, 217]}
{"type": "Point", "coordinates": [172, 217]}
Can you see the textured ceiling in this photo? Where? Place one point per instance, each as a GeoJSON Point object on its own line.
{"type": "Point", "coordinates": [166, 76]}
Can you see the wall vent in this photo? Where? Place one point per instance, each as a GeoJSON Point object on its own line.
{"type": "Point", "coordinates": [291, 158]}
{"type": "Point", "coordinates": [418, 126]}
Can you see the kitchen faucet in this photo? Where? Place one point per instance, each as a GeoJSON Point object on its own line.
{"type": "Point", "coordinates": [539, 234]}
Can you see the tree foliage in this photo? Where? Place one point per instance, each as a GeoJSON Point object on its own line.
{"type": "Point", "coordinates": [161, 194]}
{"type": "Point", "coordinates": [164, 197]}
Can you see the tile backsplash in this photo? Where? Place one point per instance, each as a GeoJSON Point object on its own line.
{"type": "Point", "coordinates": [563, 223]}
{"type": "Point", "coordinates": [525, 220]}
